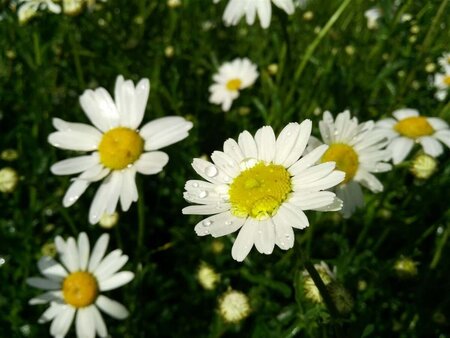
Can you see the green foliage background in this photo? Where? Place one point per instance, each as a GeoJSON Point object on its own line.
{"type": "Point", "coordinates": [48, 62]}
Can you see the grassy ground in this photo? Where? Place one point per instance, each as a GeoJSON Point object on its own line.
{"type": "Point", "coordinates": [323, 64]}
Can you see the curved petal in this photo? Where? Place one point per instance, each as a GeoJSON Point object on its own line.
{"type": "Point", "coordinates": [265, 143]}
{"type": "Point", "coordinates": [116, 281]}
{"type": "Point", "coordinates": [84, 323]}
{"type": "Point", "coordinates": [74, 165]}
{"type": "Point", "coordinates": [98, 252]}
{"type": "Point", "coordinates": [244, 240]}
{"type": "Point", "coordinates": [100, 108]}
{"type": "Point", "coordinates": [151, 163]}
{"type": "Point", "coordinates": [83, 250]}
{"type": "Point", "coordinates": [61, 324]}
{"type": "Point", "coordinates": [400, 148]}
{"type": "Point", "coordinates": [404, 113]}
{"type": "Point", "coordinates": [219, 225]}
{"type": "Point", "coordinates": [164, 131]}
{"type": "Point", "coordinates": [248, 145]}
{"type": "Point", "coordinates": [265, 237]}
{"type": "Point", "coordinates": [431, 146]}
{"type": "Point", "coordinates": [111, 307]}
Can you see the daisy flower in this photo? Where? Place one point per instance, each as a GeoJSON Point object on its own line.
{"type": "Point", "coordinates": [236, 9]}
{"type": "Point", "coordinates": [408, 128]}
{"type": "Point", "coordinates": [444, 60]}
{"type": "Point", "coordinates": [358, 150]}
{"type": "Point", "coordinates": [372, 15]}
{"type": "Point", "coordinates": [119, 149]}
{"type": "Point", "coordinates": [260, 186]}
{"type": "Point", "coordinates": [442, 83]}
{"type": "Point", "coordinates": [232, 76]}
{"type": "Point", "coordinates": [74, 285]}
{"type": "Point", "coordinates": [29, 8]}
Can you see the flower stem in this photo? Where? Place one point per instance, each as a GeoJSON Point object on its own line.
{"type": "Point", "coordinates": [141, 220]}
{"type": "Point", "coordinates": [313, 45]}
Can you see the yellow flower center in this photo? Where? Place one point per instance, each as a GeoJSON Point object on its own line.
{"type": "Point", "coordinates": [259, 191]}
{"type": "Point", "coordinates": [345, 157]}
{"type": "Point", "coordinates": [120, 147]}
{"type": "Point", "coordinates": [447, 80]}
{"type": "Point", "coordinates": [234, 84]}
{"type": "Point", "coordinates": [80, 289]}
{"type": "Point", "coordinates": [414, 127]}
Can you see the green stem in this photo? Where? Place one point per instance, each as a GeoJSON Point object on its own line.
{"type": "Point", "coordinates": [313, 45]}
{"type": "Point", "coordinates": [141, 220]}
{"type": "Point", "coordinates": [76, 59]}
{"type": "Point", "coordinates": [37, 49]}
{"type": "Point", "coordinates": [440, 247]}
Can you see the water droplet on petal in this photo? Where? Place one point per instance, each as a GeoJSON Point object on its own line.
{"type": "Point", "coordinates": [195, 185]}
{"type": "Point", "coordinates": [248, 163]}
{"type": "Point", "coordinates": [228, 223]}
{"type": "Point", "coordinates": [202, 194]}
{"type": "Point", "coordinates": [206, 223]}
{"type": "Point", "coordinates": [211, 171]}
{"type": "Point", "coordinates": [226, 178]}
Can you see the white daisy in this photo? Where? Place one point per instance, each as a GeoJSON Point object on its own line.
{"type": "Point", "coordinates": [236, 9]}
{"type": "Point", "coordinates": [358, 150]}
{"type": "Point", "coordinates": [444, 61]}
{"type": "Point", "coordinates": [119, 150]}
{"type": "Point", "coordinates": [232, 77]}
{"type": "Point", "coordinates": [74, 285]}
{"type": "Point", "coordinates": [409, 127]}
{"type": "Point", "coordinates": [372, 15]}
{"type": "Point", "coordinates": [29, 8]}
{"type": "Point", "coordinates": [261, 186]}
{"type": "Point", "coordinates": [442, 83]}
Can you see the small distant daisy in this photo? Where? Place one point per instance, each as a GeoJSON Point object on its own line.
{"type": "Point", "coordinates": [408, 128]}
{"type": "Point", "coordinates": [119, 149]}
{"type": "Point", "coordinates": [232, 77]}
{"type": "Point", "coordinates": [442, 83]}
{"type": "Point", "coordinates": [236, 9]}
{"type": "Point", "coordinates": [260, 186]}
{"type": "Point", "coordinates": [372, 15]}
{"type": "Point", "coordinates": [29, 8]}
{"type": "Point", "coordinates": [74, 286]}
{"type": "Point", "coordinates": [444, 61]}
{"type": "Point", "coordinates": [358, 150]}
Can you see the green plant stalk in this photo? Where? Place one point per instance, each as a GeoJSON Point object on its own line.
{"type": "Point", "coordinates": [141, 220]}
{"type": "Point", "coordinates": [441, 245]}
{"type": "Point", "coordinates": [313, 45]}
{"type": "Point", "coordinates": [37, 49]}
{"type": "Point", "coordinates": [76, 60]}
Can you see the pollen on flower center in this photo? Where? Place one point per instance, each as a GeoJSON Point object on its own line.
{"type": "Point", "coordinates": [234, 84]}
{"type": "Point", "coordinates": [345, 157]}
{"type": "Point", "coordinates": [80, 289]}
{"type": "Point", "coordinates": [414, 127]}
{"type": "Point", "coordinates": [259, 191]}
{"type": "Point", "coordinates": [446, 80]}
{"type": "Point", "coordinates": [120, 147]}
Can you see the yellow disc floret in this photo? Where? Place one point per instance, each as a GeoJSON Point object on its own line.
{"type": "Point", "coordinates": [345, 157]}
{"type": "Point", "coordinates": [80, 289]}
{"type": "Point", "coordinates": [234, 84]}
{"type": "Point", "coordinates": [120, 147]}
{"type": "Point", "coordinates": [414, 127]}
{"type": "Point", "coordinates": [259, 191]}
{"type": "Point", "coordinates": [447, 80]}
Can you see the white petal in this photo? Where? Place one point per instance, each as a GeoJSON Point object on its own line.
{"type": "Point", "coordinates": [248, 145]}
{"type": "Point", "coordinates": [368, 180]}
{"type": "Point", "coordinates": [206, 209]}
{"type": "Point", "coordinates": [74, 140]}
{"type": "Point", "coordinates": [100, 108]}
{"type": "Point", "coordinates": [264, 9]}
{"type": "Point", "coordinates": [437, 124]}
{"type": "Point", "coordinates": [219, 225]}
{"type": "Point", "coordinates": [151, 163]}
{"type": "Point", "coordinates": [443, 136]}
{"type": "Point", "coordinates": [400, 148]}
{"type": "Point", "coordinates": [83, 250]}
{"type": "Point", "coordinates": [265, 237]}
{"type": "Point", "coordinates": [51, 269]}
{"type": "Point", "coordinates": [164, 131]}
{"type": "Point", "coordinates": [285, 5]}
{"type": "Point", "coordinates": [225, 163]}
{"type": "Point", "coordinates": [244, 240]}
{"type": "Point", "coordinates": [98, 252]}
{"type": "Point", "coordinates": [404, 113]}
{"type": "Point", "coordinates": [76, 189]}
{"type": "Point", "coordinates": [52, 297]}
{"type": "Point", "coordinates": [292, 216]}
{"type": "Point", "coordinates": [308, 160]}
{"type": "Point", "coordinates": [116, 281]}
{"type": "Point", "coordinates": [291, 142]}
{"type": "Point", "coordinates": [74, 165]}
{"type": "Point", "coordinates": [71, 257]}
{"type": "Point", "coordinates": [315, 173]}
{"type": "Point", "coordinates": [50, 313]}
{"type": "Point", "coordinates": [388, 123]}
{"type": "Point", "coordinates": [114, 192]}
{"type": "Point", "coordinates": [352, 196]}
{"type": "Point", "coordinates": [106, 270]}
{"type": "Point", "coordinates": [129, 192]}
{"type": "Point", "coordinates": [43, 283]}
{"type": "Point", "coordinates": [60, 244]}
{"type": "Point", "coordinates": [284, 234]}
{"type": "Point", "coordinates": [111, 307]}
{"type": "Point", "coordinates": [335, 205]}
{"type": "Point", "coordinates": [209, 171]}
{"type": "Point", "coordinates": [108, 263]}
{"type": "Point", "coordinates": [99, 323]}
{"type": "Point", "coordinates": [61, 324]}
{"type": "Point", "coordinates": [232, 149]}
{"type": "Point", "coordinates": [265, 143]}
{"type": "Point", "coordinates": [327, 182]}
{"type": "Point", "coordinates": [431, 146]}
{"type": "Point", "coordinates": [85, 324]}
{"type": "Point", "coordinates": [312, 200]}
{"type": "Point", "coordinates": [101, 199]}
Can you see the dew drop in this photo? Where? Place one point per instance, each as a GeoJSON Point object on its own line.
{"type": "Point", "coordinates": [202, 194]}
{"type": "Point", "coordinates": [195, 185]}
{"type": "Point", "coordinates": [228, 223]}
{"type": "Point", "coordinates": [211, 171]}
{"type": "Point", "coordinates": [287, 236]}
{"type": "Point", "coordinates": [288, 133]}
{"type": "Point", "coordinates": [206, 223]}
{"type": "Point", "coordinates": [248, 163]}
{"type": "Point", "coordinates": [226, 178]}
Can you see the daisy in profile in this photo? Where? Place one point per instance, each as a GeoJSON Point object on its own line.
{"type": "Point", "coordinates": [29, 8]}
{"type": "Point", "coordinates": [441, 82]}
{"type": "Point", "coordinates": [408, 128]}
{"type": "Point", "coordinates": [74, 285]}
{"type": "Point", "coordinates": [236, 9]}
{"type": "Point", "coordinates": [261, 186]}
{"type": "Point", "coordinates": [232, 77]}
{"type": "Point", "coordinates": [118, 149]}
{"type": "Point", "coordinates": [359, 151]}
